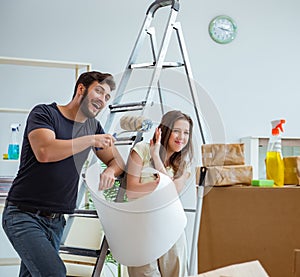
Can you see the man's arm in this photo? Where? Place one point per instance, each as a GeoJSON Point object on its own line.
{"type": "Point", "coordinates": [47, 148]}
{"type": "Point", "coordinates": [115, 166]}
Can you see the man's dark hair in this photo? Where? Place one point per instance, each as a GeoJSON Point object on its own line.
{"type": "Point", "coordinates": [89, 77]}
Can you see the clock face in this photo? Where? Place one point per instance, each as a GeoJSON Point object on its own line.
{"type": "Point", "coordinates": [222, 29]}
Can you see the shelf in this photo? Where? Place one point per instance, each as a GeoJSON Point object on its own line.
{"type": "Point", "coordinates": [285, 141]}
{"type": "Point", "coordinates": [46, 63]}
{"type": "Point", "coordinates": [41, 63]}
{"type": "Point", "coordinates": [256, 147]}
{"type": "Point", "coordinates": [10, 110]}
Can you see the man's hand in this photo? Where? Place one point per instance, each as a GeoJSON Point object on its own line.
{"type": "Point", "coordinates": [104, 141]}
{"type": "Point", "coordinates": [107, 179]}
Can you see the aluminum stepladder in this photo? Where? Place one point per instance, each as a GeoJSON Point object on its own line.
{"type": "Point", "coordinates": [157, 65]}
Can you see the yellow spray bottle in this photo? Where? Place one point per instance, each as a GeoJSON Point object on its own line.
{"type": "Point", "coordinates": [274, 160]}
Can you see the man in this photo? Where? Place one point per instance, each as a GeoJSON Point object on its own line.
{"type": "Point", "coordinates": [56, 143]}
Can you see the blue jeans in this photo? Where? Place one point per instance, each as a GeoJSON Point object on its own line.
{"type": "Point", "coordinates": [36, 239]}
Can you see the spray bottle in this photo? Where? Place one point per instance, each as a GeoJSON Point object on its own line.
{"type": "Point", "coordinates": [274, 160]}
{"type": "Point", "coordinates": [13, 147]}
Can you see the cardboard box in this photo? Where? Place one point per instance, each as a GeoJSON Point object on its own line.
{"type": "Point", "coordinates": [296, 268]}
{"type": "Point", "coordinates": [245, 223]}
{"type": "Point", "coordinates": [223, 154]}
{"type": "Point", "coordinates": [228, 175]}
{"type": "Point", "coordinates": [247, 269]}
{"type": "Point", "coordinates": [291, 170]}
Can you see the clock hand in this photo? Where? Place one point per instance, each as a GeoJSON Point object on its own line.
{"type": "Point", "coordinates": [224, 29]}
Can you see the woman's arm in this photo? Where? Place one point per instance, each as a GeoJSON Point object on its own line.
{"type": "Point", "coordinates": [135, 188]}
{"type": "Point", "coordinates": [181, 181]}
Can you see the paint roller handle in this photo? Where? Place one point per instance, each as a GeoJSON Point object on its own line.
{"type": "Point", "coordinates": [147, 125]}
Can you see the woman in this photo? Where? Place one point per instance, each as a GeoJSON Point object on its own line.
{"type": "Point", "coordinates": [169, 152]}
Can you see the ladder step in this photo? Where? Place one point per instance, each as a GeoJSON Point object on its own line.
{"type": "Point", "coordinates": [119, 143]}
{"type": "Point", "coordinates": [127, 107]}
{"type": "Point", "coordinates": [152, 64]}
{"type": "Point", "coordinates": [84, 213]}
{"type": "Point", "coordinates": [125, 140]}
{"type": "Point", "coordinates": [79, 251]}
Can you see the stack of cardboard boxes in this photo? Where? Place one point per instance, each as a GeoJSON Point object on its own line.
{"type": "Point", "coordinates": [225, 165]}
{"type": "Point", "coordinates": [292, 170]}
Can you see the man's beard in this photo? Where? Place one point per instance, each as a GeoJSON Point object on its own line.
{"type": "Point", "coordinates": [84, 106]}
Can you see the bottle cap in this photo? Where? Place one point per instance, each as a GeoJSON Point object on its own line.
{"type": "Point", "coordinates": [277, 126]}
{"type": "Point", "coordinates": [15, 126]}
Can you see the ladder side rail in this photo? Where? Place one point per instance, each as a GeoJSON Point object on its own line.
{"type": "Point", "coordinates": [67, 229]}
{"type": "Point", "coordinates": [70, 219]}
{"type": "Point", "coordinates": [200, 187]}
{"type": "Point", "coordinates": [192, 269]}
{"type": "Point", "coordinates": [153, 41]}
{"type": "Point", "coordinates": [189, 74]}
{"type": "Point", "coordinates": [80, 196]}
{"type": "Point", "coordinates": [128, 70]}
{"type": "Point", "coordinates": [161, 57]}
{"type": "Point", "coordinates": [161, 100]}
{"type": "Point", "coordinates": [101, 258]}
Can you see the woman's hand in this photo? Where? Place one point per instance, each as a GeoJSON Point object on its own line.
{"type": "Point", "coordinates": [154, 152]}
{"type": "Point", "coordinates": [157, 178]}
{"type": "Point", "coordinates": [155, 147]}
{"type": "Point", "coordinates": [139, 190]}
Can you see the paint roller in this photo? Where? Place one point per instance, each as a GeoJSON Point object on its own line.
{"type": "Point", "coordinates": [134, 123]}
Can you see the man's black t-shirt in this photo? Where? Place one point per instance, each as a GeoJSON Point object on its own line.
{"type": "Point", "coordinates": [51, 186]}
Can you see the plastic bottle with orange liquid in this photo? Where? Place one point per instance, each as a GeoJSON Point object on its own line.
{"type": "Point", "coordinates": [274, 160]}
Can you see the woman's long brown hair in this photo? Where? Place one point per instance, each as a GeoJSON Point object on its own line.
{"type": "Point", "coordinates": [178, 160]}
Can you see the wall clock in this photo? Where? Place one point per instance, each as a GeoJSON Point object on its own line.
{"type": "Point", "coordinates": [222, 29]}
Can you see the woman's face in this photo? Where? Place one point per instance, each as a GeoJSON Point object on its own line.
{"type": "Point", "coordinates": [179, 136]}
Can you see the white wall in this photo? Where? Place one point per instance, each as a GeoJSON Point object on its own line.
{"type": "Point", "coordinates": [252, 80]}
